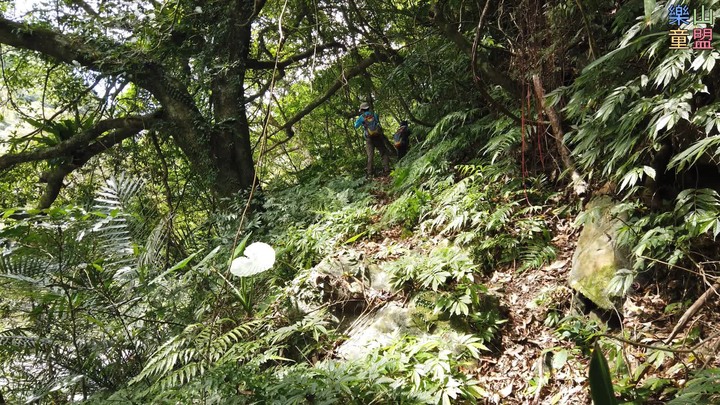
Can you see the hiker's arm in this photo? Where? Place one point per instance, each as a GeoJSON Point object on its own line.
{"type": "Point", "coordinates": [358, 122]}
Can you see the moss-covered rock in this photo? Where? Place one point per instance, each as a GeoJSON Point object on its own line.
{"type": "Point", "coordinates": [597, 256]}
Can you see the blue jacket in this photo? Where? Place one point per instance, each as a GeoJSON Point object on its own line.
{"type": "Point", "coordinates": [359, 121]}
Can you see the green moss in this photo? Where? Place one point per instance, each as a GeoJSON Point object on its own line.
{"type": "Point", "coordinates": [594, 286]}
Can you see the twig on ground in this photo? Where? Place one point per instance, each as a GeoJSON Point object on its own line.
{"type": "Point", "coordinates": [692, 349]}
{"type": "Point", "coordinates": [694, 308]}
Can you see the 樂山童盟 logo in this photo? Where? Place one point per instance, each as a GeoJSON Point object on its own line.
{"type": "Point", "coordinates": [679, 16]}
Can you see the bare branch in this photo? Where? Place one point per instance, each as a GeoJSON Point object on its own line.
{"type": "Point", "coordinates": [88, 9]}
{"type": "Point", "coordinates": [265, 87]}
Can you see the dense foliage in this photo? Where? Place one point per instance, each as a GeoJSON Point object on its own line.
{"type": "Point", "coordinates": [145, 144]}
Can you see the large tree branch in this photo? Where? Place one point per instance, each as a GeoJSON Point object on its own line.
{"type": "Point", "coordinates": [88, 8]}
{"type": "Point", "coordinates": [79, 141]}
{"type": "Point", "coordinates": [99, 55]}
{"type": "Point", "coordinates": [96, 55]}
{"type": "Point", "coordinates": [269, 64]}
{"type": "Point", "coordinates": [57, 46]}
{"type": "Point", "coordinates": [56, 177]}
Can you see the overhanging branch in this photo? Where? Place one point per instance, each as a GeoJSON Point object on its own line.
{"type": "Point", "coordinates": [56, 177]}
{"type": "Point", "coordinates": [337, 85]}
{"type": "Point", "coordinates": [79, 141]}
{"type": "Point", "coordinates": [96, 55]}
{"type": "Point", "coordinates": [57, 46]}
{"type": "Point", "coordinates": [262, 64]}
{"type": "Point", "coordinates": [486, 71]}
{"type": "Point", "coordinates": [88, 8]}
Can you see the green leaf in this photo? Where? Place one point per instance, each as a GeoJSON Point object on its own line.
{"type": "Point", "coordinates": [354, 238]}
{"type": "Point", "coordinates": [178, 266]}
{"type": "Point", "coordinates": [690, 156]}
{"type": "Point", "coordinates": [208, 257]}
{"type": "Point", "coordinates": [649, 7]}
{"type": "Point", "coordinates": [239, 249]}
{"type": "Point", "coordinates": [560, 359]}
{"type": "Point", "coordinates": [613, 53]}
{"type": "Point", "coordinates": [601, 389]}
{"type": "Point", "coordinates": [649, 171]}
{"type": "Point", "coordinates": [9, 212]}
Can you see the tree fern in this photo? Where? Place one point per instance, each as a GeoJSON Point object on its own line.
{"type": "Point", "coordinates": [17, 340]}
{"type": "Point", "coordinates": [155, 245]}
{"type": "Point", "coordinates": [27, 268]}
{"type": "Point", "coordinates": [503, 141]}
{"type": "Point", "coordinates": [449, 123]}
{"type": "Point", "coordinates": [500, 217]}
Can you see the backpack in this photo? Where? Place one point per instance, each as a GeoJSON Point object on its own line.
{"type": "Point", "coordinates": [399, 136]}
{"type": "Point", "coordinates": [372, 125]}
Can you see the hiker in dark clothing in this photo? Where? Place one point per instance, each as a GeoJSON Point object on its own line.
{"type": "Point", "coordinates": [401, 138]}
{"type": "Point", "coordinates": [374, 138]}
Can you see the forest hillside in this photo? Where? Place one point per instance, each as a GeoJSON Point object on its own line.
{"type": "Point", "coordinates": [197, 205]}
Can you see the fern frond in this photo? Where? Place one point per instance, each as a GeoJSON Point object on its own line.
{"type": "Point", "coordinates": [505, 139]}
{"type": "Point", "coordinates": [151, 255]}
{"type": "Point", "coordinates": [113, 231]}
{"type": "Point", "coordinates": [196, 350]}
{"type": "Point", "coordinates": [117, 193]}
{"type": "Point", "coordinates": [500, 217]}
{"type": "Point", "coordinates": [16, 340]}
{"type": "Point", "coordinates": [448, 123]}
{"type": "Point", "coordinates": [536, 255]}
{"type": "Point", "coordinates": [24, 267]}
{"type": "Point", "coordinates": [703, 388]}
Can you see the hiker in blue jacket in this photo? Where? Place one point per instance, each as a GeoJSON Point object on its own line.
{"type": "Point", "coordinates": [374, 138]}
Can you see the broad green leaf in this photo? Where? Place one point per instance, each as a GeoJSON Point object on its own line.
{"type": "Point", "coordinates": [601, 388]}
